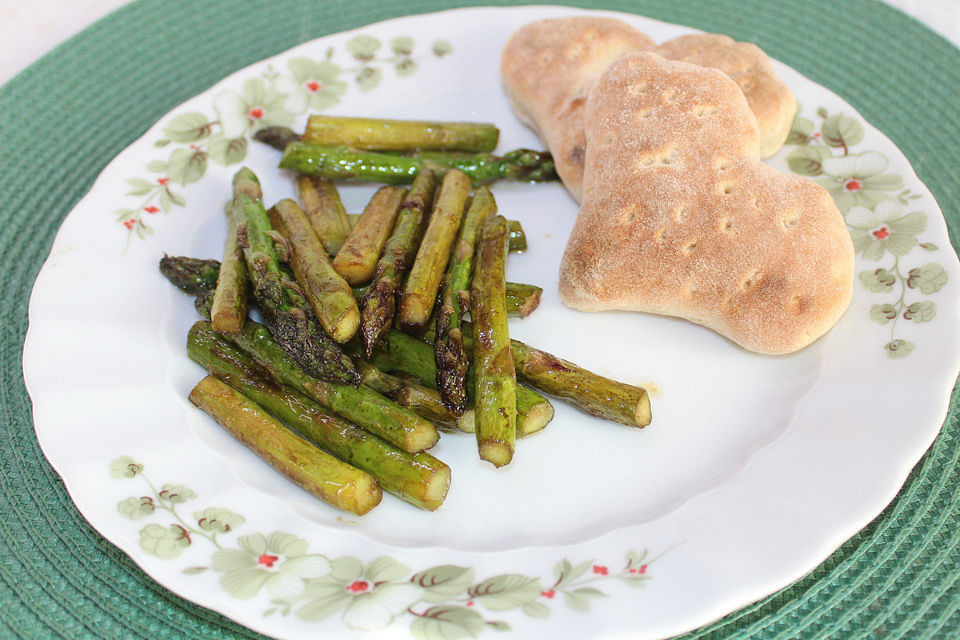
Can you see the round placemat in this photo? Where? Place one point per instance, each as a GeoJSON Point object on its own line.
{"type": "Point", "coordinates": [66, 116]}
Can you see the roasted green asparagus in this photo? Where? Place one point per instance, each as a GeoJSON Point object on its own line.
{"type": "Point", "coordinates": [322, 206]}
{"type": "Point", "coordinates": [357, 259]}
{"type": "Point", "coordinates": [400, 135]}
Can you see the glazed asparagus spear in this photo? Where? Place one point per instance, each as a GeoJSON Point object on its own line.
{"type": "Point", "coordinates": [409, 393]}
{"type": "Point", "coordinates": [517, 239]}
{"type": "Point", "coordinates": [228, 308]}
{"type": "Point", "coordinates": [361, 405]}
{"type": "Point", "coordinates": [401, 352]}
{"type": "Point", "coordinates": [277, 137]}
{"type": "Point", "coordinates": [357, 258]}
{"type": "Point", "coordinates": [379, 301]}
{"type": "Point", "coordinates": [327, 292]}
{"type": "Point", "coordinates": [420, 291]}
{"type": "Point", "coordinates": [285, 310]}
{"type": "Point", "coordinates": [452, 361]}
{"type": "Point", "coordinates": [496, 377]}
{"type": "Point", "coordinates": [343, 163]}
{"type": "Point", "coordinates": [400, 135]}
{"type": "Point", "coordinates": [322, 206]}
{"type": "Point", "coordinates": [190, 275]}
{"type": "Point", "coordinates": [419, 479]}
{"type": "Point", "coordinates": [317, 471]}
{"type": "Point", "coordinates": [587, 391]}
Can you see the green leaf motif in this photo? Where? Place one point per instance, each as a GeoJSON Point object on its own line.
{"type": "Point", "coordinates": [187, 127]}
{"type": "Point", "coordinates": [125, 467]}
{"type": "Point", "coordinates": [157, 166]}
{"type": "Point", "coordinates": [801, 130]}
{"type": "Point", "coordinates": [898, 349]}
{"type": "Point", "coordinates": [385, 569]}
{"type": "Point", "coordinates": [176, 493]}
{"type": "Point", "coordinates": [368, 78]}
{"type": "Point", "coordinates": [447, 623]}
{"type": "Point", "coordinates": [840, 130]}
{"type": "Point", "coordinates": [218, 519]}
{"type": "Point", "coordinates": [441, 48]}
{"type": "Point", "coordinates": [363, 47]}
{"type": "Point", "coordinates": [921, 311]}
{"type": "Point", "coordinates": [808, 161]}
{"type": "Point", "coordinates": [878, 280]}
{"type": "Point", "coordinates": [567, 572]}
{"type": "Point", "coordinates": [192, 571]}
{"type": "Point", "coordinates": [929, 278]}
{"type": "Point", "coordinates": [405, 67]}
{"type": "Point", "coordinates": [164, 542]}
{"type": "Point", "coordinates": [175, 198]}
{"type": "Point", "coordinates": [536, 609]}
{"type": "Point", "coordinates": [498, 625]}
{"type": "Point", "coordinates": [822, 112]}
{"type": "Point", "coordinates": [883, 313]}
{"type": "Point", "coordinates": [443, 582]}
{"type": "Point", "coordinates": [140, 187]}
{"type": "Point", "coordinates": [402, 45]}
{"type": "Point", "coordinates": [226, 151]}
{"type": "Point", "coordinates": [505, 592]}
{"type": "Point", "coordinates": [187, 165]}
{"type": "Point", "coordinates": [929, 246]}
{"type": "Point", "coordinates": [136, 508]}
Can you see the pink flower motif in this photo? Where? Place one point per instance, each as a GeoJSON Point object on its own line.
{"type": "Point", "coordinates": [256, 113]}
{"type": "Point", "coordinates": [313, 86]}
{"type": "Point", "coordinates": [548, 594]}
{"type": "Point", "coordinates": [267, 560]}
{"type": "Point", "coordinates": [360, 586]}
{"type": "Point", "coordinates": [853, 185]}
{"type": "Point", "coordinates": [129, 223]}
{"type": "Point", "coordinates": [151, 209]}
{"type": "Point", "coordinates": [162, 181]}
{"type": "Point", "coordinates": [600, 569]}
{"type": "Point", "coordinates": [881, 233]}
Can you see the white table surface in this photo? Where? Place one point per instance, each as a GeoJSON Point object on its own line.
{"type": "Point", "coordinates": [29, 30]}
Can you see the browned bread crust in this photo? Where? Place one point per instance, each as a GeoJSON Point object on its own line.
{"type": "Point", "coordinates": [680, 217]}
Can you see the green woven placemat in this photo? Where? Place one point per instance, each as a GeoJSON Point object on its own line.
{"type": "Point", "coordinates": [65, 117]}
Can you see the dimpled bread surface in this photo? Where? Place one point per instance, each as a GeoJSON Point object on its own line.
{"type": "Point", "coordinates": [680, 217]}
{"type": "Point", "coordinates": [548, 68]}
{"type": "Point", "coordinates": [769, 97]}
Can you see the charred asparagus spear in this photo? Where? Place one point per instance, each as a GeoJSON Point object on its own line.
{"type": "Point", "coordinates": [190, 275]}
{"type": "Point", "coordinates": [496, 377]}
{"type": "Point", "coordinates": [420, 291]}
{"type": "Point", "coordinates": [277, 137]}
{"type": "Point", "coordinates": [322, 205]}
{"type": "Point", "coordinates": [409, 393]}
{"type": "Point", "coordinates": [414, 357]}
{"type": "Point", "coordinates": [587, 391]}
{"type": "Point", "coordinates": [357, 258]}
{"type": "Point", "coordinates": [517, 238]}
{"type": "Point", "coordinates": [419, 479]}
{"type": "Point", "coordinates": [361, 405]}
{"type": "Point", "coordinates": [344, 163]}
{"type": "Point", "coordinates": [327, 292]}
{"type": "Point", "coordinates": [400, 135]}
{"type": "Point", "coordinates": [452, 361]}
{"type": "Point", "coordinates": [285, 310]}
{"type": "Point", "coordinates": [228, 308]}
{"type": "Point", "coordinates": [379, 301]}
{"type": "Point", "coordinates": [317, 471]}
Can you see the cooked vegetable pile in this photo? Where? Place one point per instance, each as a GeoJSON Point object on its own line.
{"type": "Point", "coordinates": [365, 353]}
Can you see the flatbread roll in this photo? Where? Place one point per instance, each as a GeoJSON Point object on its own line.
{"type": "Point", "coordinates": [680, 217]}
{"type": "Point", "coordinates": [548, 68]}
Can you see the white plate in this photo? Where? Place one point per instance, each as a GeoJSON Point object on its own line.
{"type": "Point", "coordinates": [754, 469]}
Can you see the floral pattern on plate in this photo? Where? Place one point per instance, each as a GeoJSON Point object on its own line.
{"type": "Point", "coordinates": [444, 602]}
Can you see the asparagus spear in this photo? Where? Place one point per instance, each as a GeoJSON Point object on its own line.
{"type": "Point", "coordinates": [401, 352]}
{"type": "Point", "coordinates": [357, 258]}
{"type": "Point", "coordinates": [420, 291]}
{"type": "Point", "coordinates": [409, 393]}
{"type": "Point", "coordinates": [327, 292]}
{"type": "Point", "coordinates": [277, 137]}
{"type": "Point", "coordinates": [228, 308]}
{"type": "Point", "coordinates": [517, 238]}
{"type": "Point", "coordinates": [343, 163]}
{"type": "Point", "coordinates": [286, 312]}
{"type": "Point", "coordinates": [317, 471]}
{"type": "Point", "coordinates": [380, 298]}
{"type": "Point", "coordinates": [587, 391]}
{"type": "Point", "coordinates": [322, 205]}
{"type": "Point", "coordinates": [400, 135]}
{"type": "Point", "coordinates": [190, 275]}
{"type": "Point", "coordinates": [522, 299]}
{"type": "Point", "coordinates": [496, 377]}
{"type": "Point", "coordinates": [419, 479]}
{"type": "Point", "coordinates": [361, 405]}
{"type": "Point", "coordinates": [452, 361]}
{"type": "Point", "coordinates": [203, 303]}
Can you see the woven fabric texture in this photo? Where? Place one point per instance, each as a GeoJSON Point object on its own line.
{"type": "Point", "coordinates": [66, 116]}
